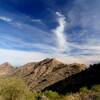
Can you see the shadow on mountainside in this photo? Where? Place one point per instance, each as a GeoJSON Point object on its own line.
{"type": "Point", "coordinates": [86, 78]}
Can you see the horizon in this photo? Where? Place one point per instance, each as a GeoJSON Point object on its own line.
{"type": "Point", "coordinates": [31, 31]}
{"type": "Point", "coordinates": [68, 63]}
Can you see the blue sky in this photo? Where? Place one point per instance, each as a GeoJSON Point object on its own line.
{"type": "Point", "coordinates": [31, 30]}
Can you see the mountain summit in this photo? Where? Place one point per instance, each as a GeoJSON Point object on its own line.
{"type": "Point", "coordinates": [6, 64]}
{"type": "Point", "coordinates": [50, 71]}
{"type": "Point", "coordinates": [52, 60]}
{"type": "Point", "coordinates": [6, 69]}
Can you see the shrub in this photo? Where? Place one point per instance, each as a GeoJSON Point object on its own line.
{"type": "Point", "coordinates": [84, 90]}
{"type": "Point", "coordinates": [96, 88]}
{"type": "Point", "coordinates": [74, 96]}
{"type": "Point", "coordinates": [52, 95]}
{"type": "Point", "coordinates": [14, 89]}
{"type": "Point", "coordinates": [97, 97]}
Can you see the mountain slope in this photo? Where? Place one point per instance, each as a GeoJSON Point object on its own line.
{"type": "Point", "coordinates": [43, 74]}
{"type": "Point", "coordinates": [24, 70]}
{"type": "Point", "coordinates": [6, 69]}
{"type": "Point", "coordinates": [86, 78]}
{"type": "Point", "coordinates": [50, 71]}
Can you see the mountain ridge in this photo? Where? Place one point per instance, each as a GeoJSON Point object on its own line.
{"type": "Point", "coordinates": [40, 75]}
{"type": "Point", "coordinates": [6, 69]}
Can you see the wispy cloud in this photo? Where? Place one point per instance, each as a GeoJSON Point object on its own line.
{"type": "Point", "coordinates": [82, 46]}
{"type": "Point", "coordinates": [6, 19]}
{"type": "Point", "coordinates": [19, 43]}
{"type": "Point", "coordinates": [17, 57]}
{"type": "Point", "coordinates": [59, 32]}
{"type": "Point", "coordinates": [89, 59]}
{"type": "Point", "coordinates": [36, 20]}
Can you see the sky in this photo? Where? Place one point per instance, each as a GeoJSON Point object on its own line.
{"type": "Point", "coordinates": [32, 30]}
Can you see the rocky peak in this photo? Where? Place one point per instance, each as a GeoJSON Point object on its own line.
{"type": "Point", "coordinates": [50, 71]}
{"type": "Point", "coordinates": [6, 69]}
{"type": "Point", "coordinates": [6, 64]}
{"type": "Point", "coordinates": [55, 61]}
{"type": "Point", "coordinates": [51, 61]}
{"type": "Point", "coordinates": [43, 68]}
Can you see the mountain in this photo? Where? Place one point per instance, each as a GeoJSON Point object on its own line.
{"type": "Point", "coordinates": [50, 77]}
{"type": "Point", "coordinates": [6, 69]}
{"type": "Point", "coordinates": [41, 75]}
{"type": "Point", "coordinates": [50, 71]}
{"type": "Point", "coordinates": [86, 78]}
{"type": "Point", "coordinates": [24, 70]}
{"type": "Point", "coordinates": [27, 69]}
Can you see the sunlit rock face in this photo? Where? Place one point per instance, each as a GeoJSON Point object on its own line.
{"type": "Point", "coordinates": [6, 69]}
{"type": "Point", "coordinates": [40, 75]}
{"type": "Point", "coordinates": [24, 70]}
{"type": "Point", "coordinates": [50, 71]}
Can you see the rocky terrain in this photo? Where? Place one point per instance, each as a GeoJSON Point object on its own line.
{"type": "Point", "coordinates": [52, 75]}
{"type": "Point", "coordinates": [50, 79]}
{"type": "Point", "coordinates": [6, 69]}
{"type": "Point", "coordinates": [43, 74]}
{"type": "Point", "coordinates": [50, 71]}
{"type": "Point", "coordinates": [86, 78]}
{"type": "Point", "coordinates": [24, 70]}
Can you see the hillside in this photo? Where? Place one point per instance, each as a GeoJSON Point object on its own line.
{"type": "Point", "coordinates": [6, 69]}
{"type": "Point", "coordinates": [50, 79]}
{"type": "Point", "coordinates": [86, 78]}
{"type": "Point", "coordinates": [50, 71]}
{"type": "Point", "coordinates": [40, 75]}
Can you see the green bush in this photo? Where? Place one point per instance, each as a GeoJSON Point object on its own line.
{"type": "Point", "coordinates": [97, 97]}
{"type": "Point", "coordinates": [96, 88]}
{"type": "Point", "coordinates": [52, 95]}
{"type": "Point", "coordinates": [84, 90]}
{"type": "Point", "coordinates": [14, 89]}
{"type": "Point", "coordinates": [74, 96]}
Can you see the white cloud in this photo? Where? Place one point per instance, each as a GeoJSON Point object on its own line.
{"type": "Point", "coordinates": [4, 18]}
{"type": "Point", "coordinates": [17, 42]}
{"type": "Point", "coordinates": [59, 32]}
{"type": "Point", "coordinates": [36, 20]}
{"type": "Point", "coordinates": [88, 59]}
{"type": "Point", "coordinates": [87, 20]}
{"type": "Point", "coordinates": [17, 57]}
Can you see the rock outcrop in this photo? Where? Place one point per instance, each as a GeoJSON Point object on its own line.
{"type": "Point", "coordinates": [50, 71]}
{"type": "Point", "coordinates": [24, 70]}
{"type": "Point", "coordinates": [6, 69]}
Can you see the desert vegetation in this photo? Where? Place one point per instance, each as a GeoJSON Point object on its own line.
{"type": "Point", "coordinates": [84, 85]}
{"type": "Point", "coordinates": [14, 88]}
